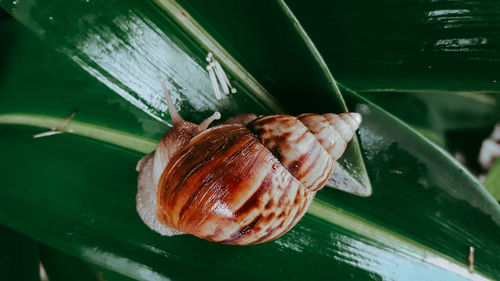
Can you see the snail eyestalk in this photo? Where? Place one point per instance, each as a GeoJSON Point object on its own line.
{"type": "Point", "coordinates": [174, 114]}
{"type": "Point", "coordinates": [204, 125]}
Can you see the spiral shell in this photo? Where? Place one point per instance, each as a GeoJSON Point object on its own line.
{"type": "Point", "coordinates": [245, 185]}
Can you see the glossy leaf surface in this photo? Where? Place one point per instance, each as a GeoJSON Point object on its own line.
{"type": "Point", "coordinates": [424, 214]}
{"type": "Point", "coordinates": [417, 45]}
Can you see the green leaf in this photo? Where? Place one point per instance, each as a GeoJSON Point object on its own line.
{"type": "Point", "coordinates": [424, 214]}
{"type": "Point", "coordinates": [18, 256]}
{"type": "Point", "coordinates": [492, 181]}
{"type": "Point", "coordinates": [293, 67]}
{"type": "Point", "coordinates": [457, 121]}
{"type": "Point", "coordinates": [406, 45]}
{"type": "Point", "coordinates": [446, 117]}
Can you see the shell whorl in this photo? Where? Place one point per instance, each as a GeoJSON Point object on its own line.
{"type": "Point", "coordinates": [307, 145]}
{"type": "Point", "coordinates": [225, 186]}
{"type": "Point", "coordinates": [246, 185]}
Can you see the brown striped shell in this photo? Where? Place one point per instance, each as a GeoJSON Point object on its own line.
{"type": "Point", "coordinates": [242, 185]}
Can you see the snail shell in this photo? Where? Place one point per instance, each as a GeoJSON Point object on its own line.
{"type": "Point", "coordinates": [236, 183]}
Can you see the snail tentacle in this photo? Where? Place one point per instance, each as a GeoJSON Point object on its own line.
{"type": "Point", "coordinates": [205, 123]}
{"type": "Point", "coordinates": [174, 114]}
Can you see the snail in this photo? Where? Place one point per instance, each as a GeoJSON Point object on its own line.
{"type": "Point", "coordinates": [247, 181]}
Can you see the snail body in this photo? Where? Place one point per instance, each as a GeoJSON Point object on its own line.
{"type": "Point", "coordinates": [241, 183]}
